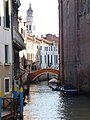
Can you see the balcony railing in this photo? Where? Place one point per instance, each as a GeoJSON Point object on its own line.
{"type": "Point", "coordinates": [18, 39]}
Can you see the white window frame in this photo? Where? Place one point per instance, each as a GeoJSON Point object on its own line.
{"type": "Point", "coordinates": [5, 86]}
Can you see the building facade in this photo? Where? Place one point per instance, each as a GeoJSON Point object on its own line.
{"type": "Point", "coordinates": [74, 34]}
{"type": "Point", "coordinates": [83, 44]}
{"type": "Point", "coordinates": [11, 42]}
{"type": "Point", "coordinates": [5, 47]}
{"type": "Point", "coordinates": [49, 54]}
{"type": "Point", "coordinates": [18, 45]}
{"type": "Point", "coordinates": [33, 52]}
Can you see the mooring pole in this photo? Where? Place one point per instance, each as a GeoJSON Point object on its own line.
{"type": "Point", "coordinates": [15, 92]}
{"type": "Point", "coordinates": [21, 103]}
{"type": "Point", "coordinates": [0, 104]}
{"type": "Point", "coordinates": [28, 86]}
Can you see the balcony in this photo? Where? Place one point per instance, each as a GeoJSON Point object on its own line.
{"type": "Point", "coordinates": [18, 39]}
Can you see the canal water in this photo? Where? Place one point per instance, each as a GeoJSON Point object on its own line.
{"type": "Point", "coordinates": [46, 104]}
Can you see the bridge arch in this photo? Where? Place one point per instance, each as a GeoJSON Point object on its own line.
{"type": "Point", "coordinates": [34, 75]}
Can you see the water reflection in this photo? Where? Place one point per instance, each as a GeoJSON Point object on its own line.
{"type": "Point", "coordinates": [75, 108]}
{"type": "Point", "coordinates": [46, 104]}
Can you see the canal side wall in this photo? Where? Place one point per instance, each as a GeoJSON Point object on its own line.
{"type": "Point", "coordinates": [84, 38]}
{"type": "Point", "coordinates": [76, 45]}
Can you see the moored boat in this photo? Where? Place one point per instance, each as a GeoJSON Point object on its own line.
{"type": "Point", "coordinates": [69, 89]}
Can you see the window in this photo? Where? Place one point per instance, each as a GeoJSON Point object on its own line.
{"type": "Point", "coordinates": [88, 6]}
{"type": "Point", "coordinates": [28, 56]}
{"type": "Point", "coordinates": [7, 21]}
{"type": "Point", "coordinates": [48, 61]}
{"type": "Point", "coordinates": [51, 59]}
{"type": "Point", "coordinates": [40, 47]}
{"type": "Point", "coordinates": [21, 31]}
{"type": "Point", "coordinates": [51, 48]}
{"type": "Point", "coordinates": [55, 59]}
{"type": "Point", "coordinates": [40, 59]}
{"type": "Point", "coordinates": [6, 53]}
{"type": "Point", "coordinates": [24, 33]}
{"type": "Point", "coordinates": [84, 6]}
{"type": "Point", "coordinates": [68, 7]}
{"type": "Point", "coordinates": [31, 56]}
{"type": "Point", "coordinates": [56, 48]}
{"type": "Point", "coordinates": [29, 27]}
{"type": "Point", "coordinates": [81, 6]}
{"type": "Point", "coordinates": [45, 58]}
{"type": "Point", "coordinates": [46, 48]}
{"type": "Point", "coordinates": [7, 85]}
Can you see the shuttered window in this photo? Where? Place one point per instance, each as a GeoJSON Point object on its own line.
{"type": "Point", "coordinates": [6, 53]}
{"type": "Point", "coordinates": [6, 14]}
{"type": "Point", "coordinates": [7, 85]}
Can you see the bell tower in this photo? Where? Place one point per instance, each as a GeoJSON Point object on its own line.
{"type": "Point", "coordinates": [29, 21]}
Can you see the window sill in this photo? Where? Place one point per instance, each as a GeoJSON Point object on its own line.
{"type": "Point", "coordinates": [5, 28]}
{"type": "Point", "coordinates": [6, 93]}
{"type": "Point", "coordinates": [7, 64]}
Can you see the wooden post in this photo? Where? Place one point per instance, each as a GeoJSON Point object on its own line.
{"type": "Point", "coordinates": [0, 104]}
{"type": "Point", "coordinates": [15, 92]}
{"type": "Point", "coordinates": [28, 86]}
{"type": "Point", "coordinates": [21, 103]}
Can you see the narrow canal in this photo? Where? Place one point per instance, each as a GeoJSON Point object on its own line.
{"type": "Point", "coordinates": [46, 104]}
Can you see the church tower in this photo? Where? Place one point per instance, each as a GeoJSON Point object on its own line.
{"type": "Point", "coordinates": [29, 21]}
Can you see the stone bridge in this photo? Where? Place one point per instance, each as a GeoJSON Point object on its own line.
{"type": "Point", "coordinates": [34, 75]}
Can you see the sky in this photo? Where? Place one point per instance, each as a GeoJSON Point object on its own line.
{"type": "Point", "coordinates": [45, 14]}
